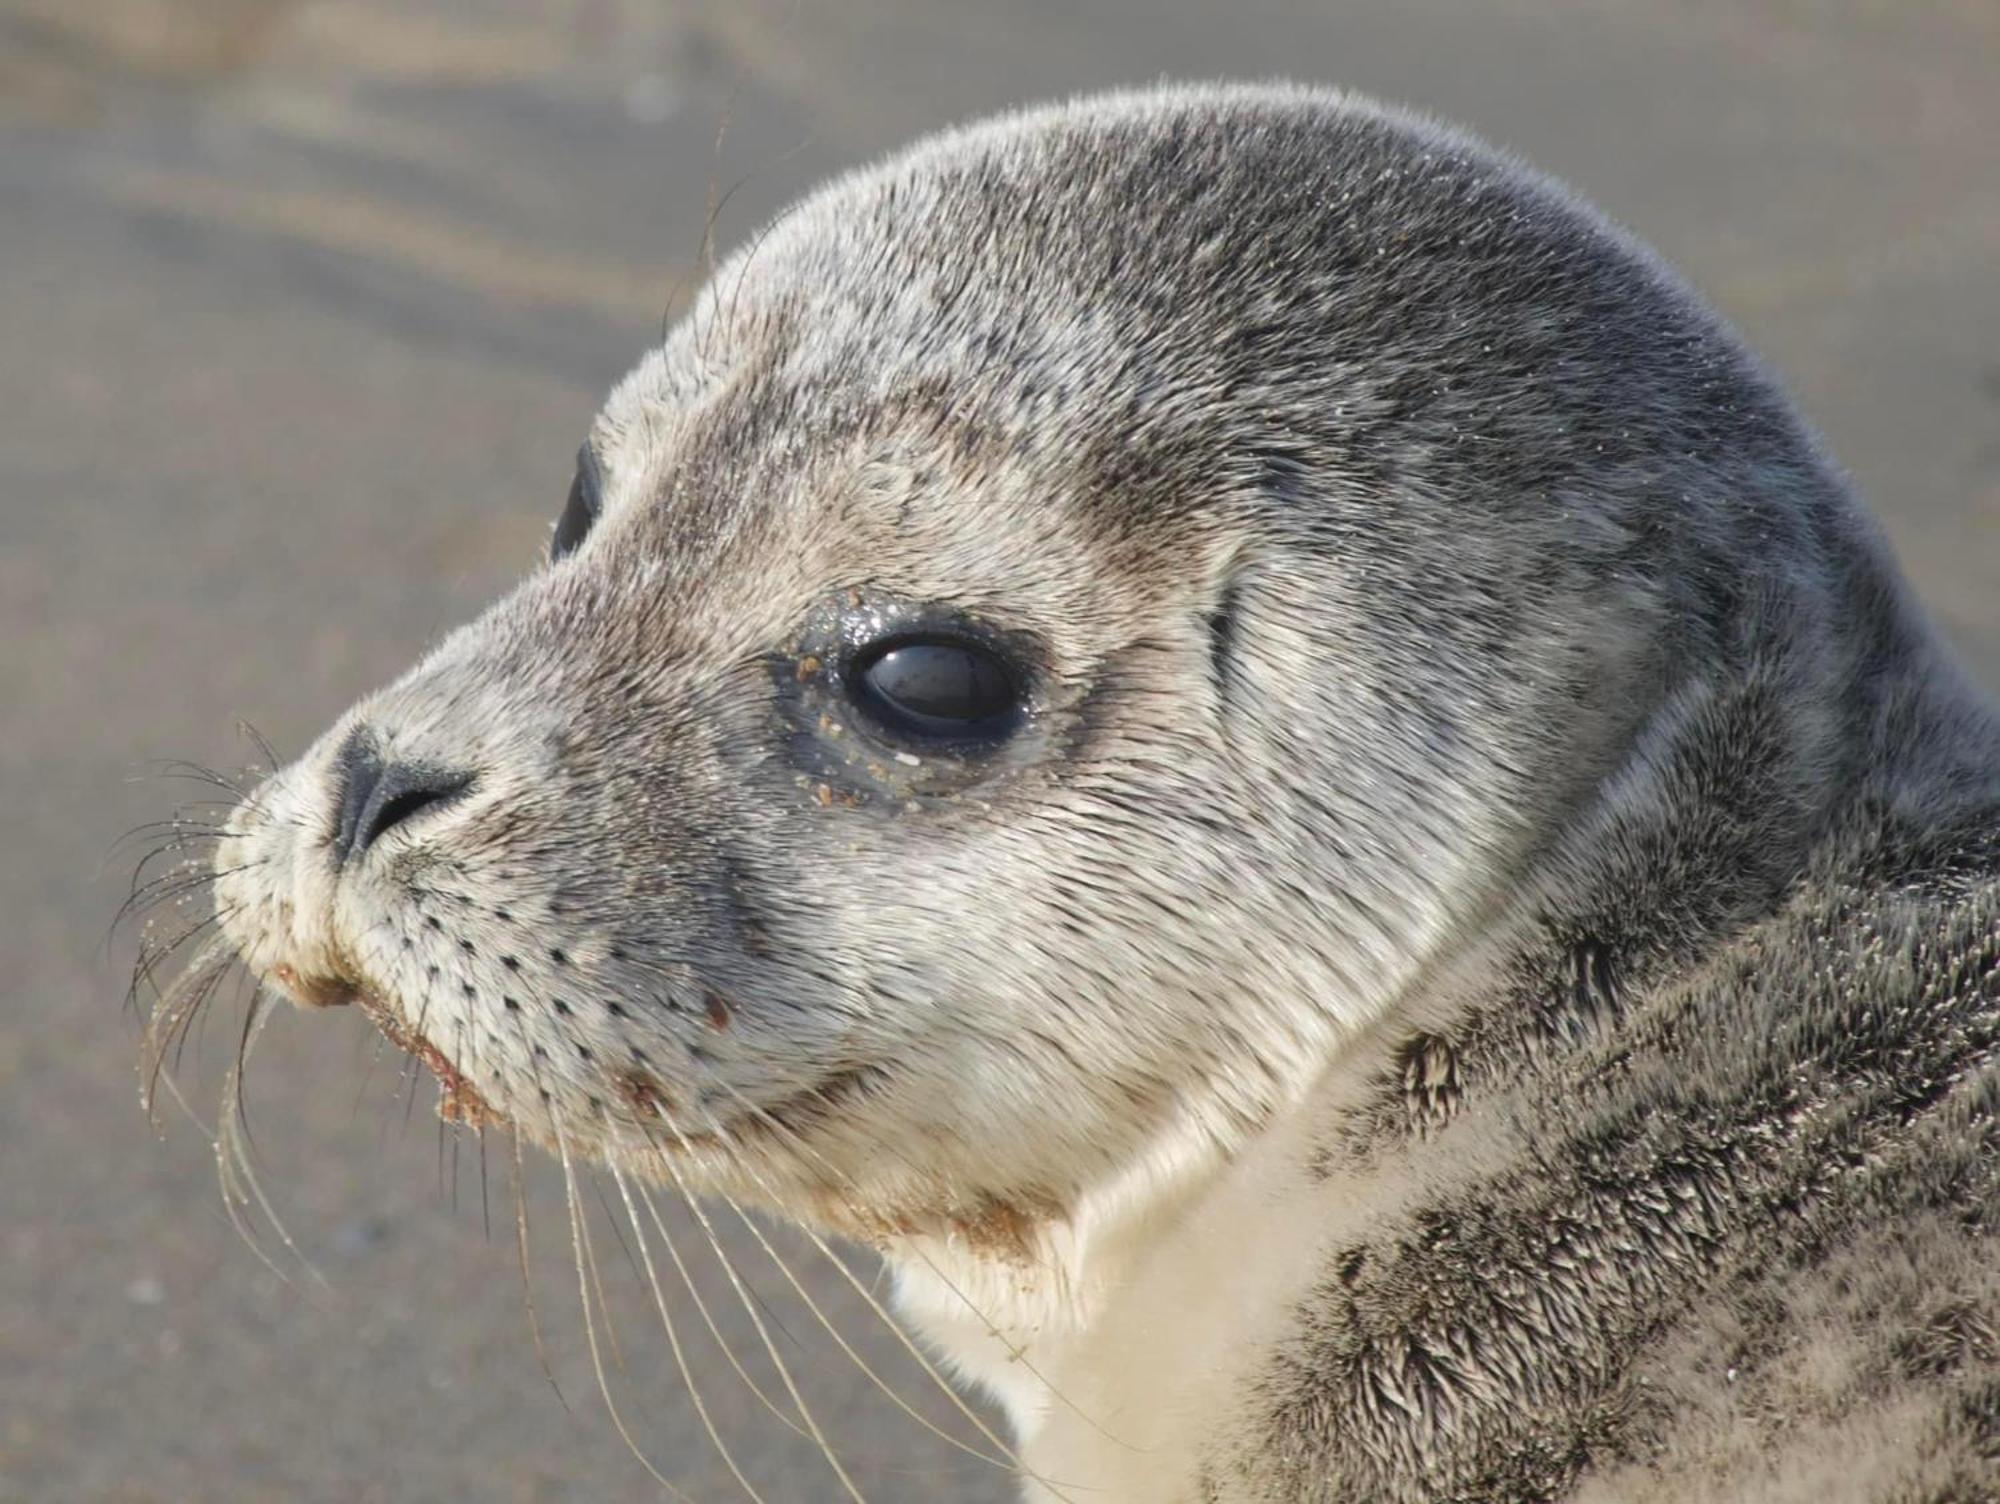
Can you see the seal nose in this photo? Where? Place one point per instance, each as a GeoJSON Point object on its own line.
{"type": "Point", "coordinates": [376, 796]}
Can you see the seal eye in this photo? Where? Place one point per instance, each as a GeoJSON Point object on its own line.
{"type": "Point", "coordinates": [580, 511]}
{"type": "Point", "coordinates": [940, 689]}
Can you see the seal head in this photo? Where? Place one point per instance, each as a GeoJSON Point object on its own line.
{"type": "Point", "coordinates": [1078, 620]}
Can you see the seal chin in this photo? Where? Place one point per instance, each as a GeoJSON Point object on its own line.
{"type": "Point", "coordinates": [460, 1102]}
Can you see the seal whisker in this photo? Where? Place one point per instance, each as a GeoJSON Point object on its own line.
{"type": "Point", "coordinates": [485, 1206]}
{"type": "Point", "coordinates": [193, 989]}
{"type": "Point", "coordinates": [713, 209]}
{"type": "Point", "coordinates": [1010, 1462]}
{"type": "Point", "coordinates": [170, 834]}
{"type": "Point", "coordinates": [258, 740]}
{"type": "Point", "coordinates": [193, 772]}
{"type": "Point", "coordinates": [153, 955]}
{"type": "Point", "coordinates": [194, 1020]}
{"type": "Point", "coordinates": [596, 1273]}
{"type": "Point", "coordinates": [177, 1004]}
{"type": "Point", "coordinates": [445, 1112]}
{"type": "Point", "coordinates": [596, 1269]}
{"type": "Point", "coordinates": [611, 1216]}
{"type": "Point", "coordinates": [580, 1244]}
{"type": "Point", "coordinates": [882, 1312]}
{"type": "Point", "coordinates": [701, 1305]}
{"type": "Point", "coordinates": [413, 1071]}
{"type": "Point", "coordinates": [151, 958]}
{"type": "Point", "coordinates": [170, 886]}
{"type": "Point", "coordinates": [756, 1319]}
{"type": "Point", "coordinates": [674, 1342]}
{"type": "Point", "coordinates": [241, 1188]}
{"type": "Point", "coordinates": [527, 1281]}
{"type": "Point", "coordinates": [202, 862]}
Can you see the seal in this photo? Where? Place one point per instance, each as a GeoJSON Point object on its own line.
{"type": "Point", "coordinates": [1244, 737]}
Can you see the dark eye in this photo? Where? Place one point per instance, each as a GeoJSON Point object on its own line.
{"type": "Point", "coordinates": [580, 511]}
{"type": "Point", "coordinates": [944, 690]}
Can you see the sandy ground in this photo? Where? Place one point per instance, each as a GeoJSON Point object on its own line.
{"type": "Point", "coordinates": [305, 307]}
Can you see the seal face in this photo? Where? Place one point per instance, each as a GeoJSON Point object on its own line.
{"type": "Point", "coordinates": [1142, 692]}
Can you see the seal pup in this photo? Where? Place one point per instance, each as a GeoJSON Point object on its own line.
{"type": "Point", "coordinates": [1245, 738]}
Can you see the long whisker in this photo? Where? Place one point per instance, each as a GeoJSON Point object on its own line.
{"type": "Point", "coordinates": [145, 894]}
{"type": "Point", "coordinates": [168, 886]}
{"type": "Point", "coordinates": [708, 1318]}
{"type": "Point", "coordinates": [1008, 1459]}
{"type": "Point", "coordinates": [413, 1069]}
{"type": "Point", "coordinates": [527, 1284]}
{"type": "Point", "coordinates": [868, 1296]}
{"type": "Point", "coordinates": [238, 1176]}
{"type": "Point", "coordinates": [193, 1017]}
{"type": "Point", "coordinates": [597, 1286]}
{"type": "Point", "coordinates": [485, 1205]}
{"type": "Point", "coordinates": [153, 955]}
{"type": "Point", "coordinates": [270, 755]}
{"type": "Point", "coordinates": [580, 1242]}
{"type": "Point", "coordinates": [757, 1320]}
{"type": "Point", "coordinates": [185, 996]}
{"type": "Point", "coordinates": [194, 772]}
{"type": "Point", "coordinates": [674, 1342]}
{"type": "Point", "coordinates": [174, 834]}
{"type": "Point", "coordinates": [750, 1305]}
{"type": "Point", "coordinates": [1015, 1354]}
{"type": "Point", "coordinates": [167, 999]}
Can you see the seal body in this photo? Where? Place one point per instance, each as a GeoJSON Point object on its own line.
{"type": "Point", "coordinates": [1235, 731]}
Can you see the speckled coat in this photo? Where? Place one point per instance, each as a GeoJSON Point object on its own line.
{"type": "Point", "coordinates": [1473, 976]}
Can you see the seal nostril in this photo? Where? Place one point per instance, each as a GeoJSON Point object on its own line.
{"type": "Point", "coordinates": [375, 796]}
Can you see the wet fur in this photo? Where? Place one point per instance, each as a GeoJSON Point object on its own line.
{"type": "Point", "coordinates": [1479, 980]}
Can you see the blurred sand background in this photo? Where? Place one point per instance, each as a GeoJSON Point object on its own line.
{"type": "Point", "coordinates": [304, 306]}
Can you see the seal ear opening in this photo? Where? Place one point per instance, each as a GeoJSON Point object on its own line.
{"type": "Point", "coordinates": [1222, 637]}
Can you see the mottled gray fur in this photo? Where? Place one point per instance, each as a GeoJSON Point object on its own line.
{"type": "Point", "coordinates": [1488, 803]}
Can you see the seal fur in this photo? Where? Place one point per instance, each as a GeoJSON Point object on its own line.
{"type": "Point", "coordinates": [1478, 976]}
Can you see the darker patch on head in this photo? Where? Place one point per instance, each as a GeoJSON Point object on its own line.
{"type": "Point", "coordinates": [746, 916]}
{"type": "Point", "coordinates": [718, 1013]}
